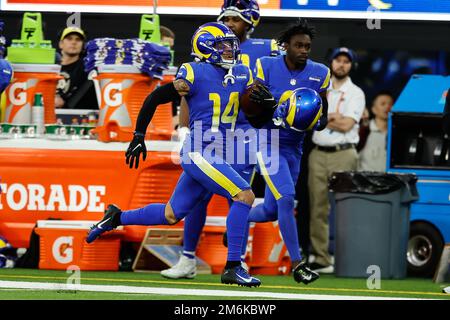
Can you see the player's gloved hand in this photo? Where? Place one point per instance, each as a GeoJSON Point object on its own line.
{"type": "Point", "coordinates": [262, 96]}
{"type": "Point", "coordinates": [136, 147]}
{"type": "Point", "coordinates": [321, 123]}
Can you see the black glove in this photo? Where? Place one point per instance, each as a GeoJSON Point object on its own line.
{"type": "Point", "coordinates": [136, 147]}
{"type": "Point", "coordinates": [262, 96]}
{"type": "Point", "coordinates": [323, 122]}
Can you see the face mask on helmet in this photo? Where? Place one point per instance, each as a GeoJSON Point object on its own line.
{"type": "Point", "coordinates": [228, 51]}
{"type": "Point", "coordinates": [301, 111]}
{"type": "Point", "coordinates": [215, 43]}
{"type": "Point", "coordinates": [247, 10]}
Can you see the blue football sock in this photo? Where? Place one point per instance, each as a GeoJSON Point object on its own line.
{"type": "Point", "coordinates": [150, 215]}
{"type": "Point", "coordinates": [236, 223]}
{"type": "Point", "coordinates": [193, 226]}
{"type": "Point", "coordinates": [288, 226]}
{"type": "Point", "coordinates": [244, 243]}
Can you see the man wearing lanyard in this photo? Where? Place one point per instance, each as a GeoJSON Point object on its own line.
{"type": "Point", "coordinates": [334, 151]}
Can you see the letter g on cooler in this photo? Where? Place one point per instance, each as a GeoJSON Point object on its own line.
{"type": "Point", "coordinates": [112, 94]}
{"type": "Point", "coordinates": [63, 250]}
{"type": "Point", "coordinates": [19, 98]}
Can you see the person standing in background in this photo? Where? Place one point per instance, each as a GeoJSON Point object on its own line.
{"type": "Point", "coordinates": [335, 150]}
{"type": "Point", "coordinates": [372, 143]}
{"type": "Point", "coordinates": [74, 91]}
{"type": "Point", "coordinates": [167, 36]}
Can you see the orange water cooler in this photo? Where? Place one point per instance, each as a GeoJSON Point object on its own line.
{"type": "Point", "coordinates": [28, 80]}
{"type": "Point", "coordinates": [121, 91]}
{"type": "Point", "coordinates": [63, 244]}
{"type": "Point", "coordinates": [268, 252]}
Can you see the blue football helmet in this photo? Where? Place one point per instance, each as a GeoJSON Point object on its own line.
{"type": "Point", "coordinates": [301, 111]}
{"type": "Point", "coordinates": [6, 74]}
{"type": "Point", "coordinates": [247, 10]}
{"type": "Point", "coordinates": [215, 43]}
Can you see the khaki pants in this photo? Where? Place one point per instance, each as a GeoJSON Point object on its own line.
{"type": "Point", "coordinates": [321, 166]}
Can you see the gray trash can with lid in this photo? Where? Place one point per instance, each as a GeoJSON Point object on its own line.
{"type": "Point", "coordinates": [372, 222]}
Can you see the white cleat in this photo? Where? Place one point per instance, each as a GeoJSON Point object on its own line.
{"type": "Point", "coordinates": [184, 268]}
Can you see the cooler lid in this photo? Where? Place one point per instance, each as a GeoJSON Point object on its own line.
{"type": "Point", "coordinates": [216, 221]}
{"type": "Point", "coordinates": [117, 68]}
{"type": "Point", "coordinates": [67, 224]}
{"type": "Point", "coordinates": [40, 68]}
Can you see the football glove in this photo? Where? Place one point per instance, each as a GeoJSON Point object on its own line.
{"type": "Point", "coordinates": [136, 147]}
{"type": "Point", "coordinates": [262, 96]}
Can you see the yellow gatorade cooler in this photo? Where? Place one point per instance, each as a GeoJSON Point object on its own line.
{"type": "Point", "coordinates": [28, 80]}
{"type": "Point", "coordinates": [122, 90]}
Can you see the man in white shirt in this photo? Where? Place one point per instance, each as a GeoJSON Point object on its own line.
{"type": "Point", "coordinates": [335, 150]}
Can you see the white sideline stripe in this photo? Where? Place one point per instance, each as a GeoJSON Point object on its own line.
{"type": "Point", "coordinates": [183, 292]}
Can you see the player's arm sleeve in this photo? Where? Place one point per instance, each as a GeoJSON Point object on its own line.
{"type": "Point", "coordinates": [250, 78]}
{"type": "Point", "coordinates": [326, 82]}
{"type": "Point", "coordinates": [160, 95]}
{"type": "Point", "coordinates": [266, 116]}
{"type": "Point", "coordinates": [186, 73]}
{"type": "Point", "coordinates": [323, 120]}
{"type": "Point", "coordinates": [274, 48]}
{"type": "Point", "coordinates": [260, 73]}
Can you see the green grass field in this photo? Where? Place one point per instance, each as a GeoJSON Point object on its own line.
{"type": "Point", "coordinates": [327, 285]}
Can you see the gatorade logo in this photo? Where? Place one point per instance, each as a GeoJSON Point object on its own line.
{"type": "Point", "coordinates": [56, 197]}
{"type": "Point", "coordinates": [113, 94]}
{"type": "Point", "coordinates": [63, 250]}
{"type": "Point", "coordinates": [20, 98]}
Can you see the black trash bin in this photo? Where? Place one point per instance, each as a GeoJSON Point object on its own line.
{"type": "Point", "coordinates": [372, 222]}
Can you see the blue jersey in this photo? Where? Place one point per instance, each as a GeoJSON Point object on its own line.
{"type": "Point", "coordinates": [211, 100]}
{"type": "Point", "coordinates": [274, 73]}
{"type": "Point", "coordinates": [252, 50]}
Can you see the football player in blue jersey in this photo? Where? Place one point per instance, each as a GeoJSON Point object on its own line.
{"type": "Point", "coordinates": [242, 17]}
{"type": "Point", "coordinates": [282, 75]}
{"type": "Point", "coordinates": [212, 87]}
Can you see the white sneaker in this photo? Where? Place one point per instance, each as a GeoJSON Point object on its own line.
{"type": "Point", "coordinates": [184, 268]}
{"type": "Point", "coordinates": [326, 270]}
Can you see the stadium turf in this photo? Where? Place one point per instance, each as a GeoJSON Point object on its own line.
{"type": "Point", "coordinates": [326, 285]}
